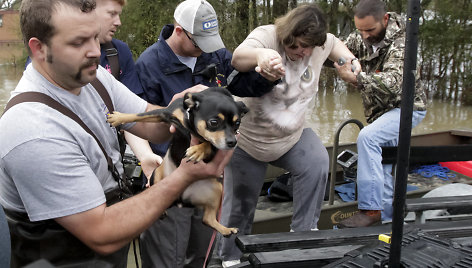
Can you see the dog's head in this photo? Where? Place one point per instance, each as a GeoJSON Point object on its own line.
{"type": "Point", "coordinates": [215, 116]}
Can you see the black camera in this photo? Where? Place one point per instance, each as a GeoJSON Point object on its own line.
{"type": "Point", "coordinates": [347, 159]}
{"type": "Point", "coordinates": [136, 180]}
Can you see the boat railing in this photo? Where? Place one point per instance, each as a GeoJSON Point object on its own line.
{"type": "Point", "coordinates": [418, 154]}
{"type": "Point", "coordinates": [335, 154]}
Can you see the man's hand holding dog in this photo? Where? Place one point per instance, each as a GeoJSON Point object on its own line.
{"type": "Point", "coordinates": [200, 170]}
{"type": "Point", "coordinates": [197, 170]}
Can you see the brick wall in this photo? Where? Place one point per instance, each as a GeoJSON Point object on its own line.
{"type": "Point", "coordinates": [12, 53]}
{"type": "Point", "coordinates": [10, 29]}
{"type": "Point", "coordinates": [11, 45]}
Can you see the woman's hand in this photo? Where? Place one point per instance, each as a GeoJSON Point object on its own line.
{"type": "Point", "coordinates": [269, 64]}
{"type": "Point", "coordinates": [149, 163]}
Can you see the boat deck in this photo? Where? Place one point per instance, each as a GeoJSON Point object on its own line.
{"type": "Point", "coordinates": [271, 217]}
{"type": "Point", "coordinates": [275, 217]}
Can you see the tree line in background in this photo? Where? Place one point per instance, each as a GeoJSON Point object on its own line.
{"type": "Point", "coordinates": [445, 40]}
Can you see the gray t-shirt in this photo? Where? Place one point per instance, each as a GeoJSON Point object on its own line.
{"type": "Point", "coordinates": [275, 121]}
{"type": "Point", "coordinates": [49, 166]}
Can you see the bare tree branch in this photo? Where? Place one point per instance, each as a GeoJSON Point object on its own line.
{"type": "Point", "coordinates": [2, 3]}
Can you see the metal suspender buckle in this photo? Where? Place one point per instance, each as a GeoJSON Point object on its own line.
{"type": "Point", "coordinates": [111, 52]}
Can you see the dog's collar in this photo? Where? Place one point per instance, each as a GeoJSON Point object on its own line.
{"type": "Point", "coordinates": [189, 118]}
{"type": "Point", "coordinates": [191, 123]}
{"type": "Point", "coordinates": [187, 113]}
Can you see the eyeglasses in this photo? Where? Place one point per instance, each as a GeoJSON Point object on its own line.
{"type": "Point", "coordinates": [189, 38]}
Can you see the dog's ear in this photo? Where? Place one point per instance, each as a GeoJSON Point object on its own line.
{"type": "Point", "coordinates": [191, 101]}
{"type": "Point", "coordinates": [242, 108]}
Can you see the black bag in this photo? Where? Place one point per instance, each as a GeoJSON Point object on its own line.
{"type": "Point", "coordinates": [32, 241]}
{"type": "Point", "coordinates": [281, 189]}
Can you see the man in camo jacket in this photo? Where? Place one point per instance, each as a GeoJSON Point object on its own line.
{"type": "Point", "coordinates": [379, 45]}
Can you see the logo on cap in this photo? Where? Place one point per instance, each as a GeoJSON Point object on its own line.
{"type": "Point", "coordinates": [210, 24]}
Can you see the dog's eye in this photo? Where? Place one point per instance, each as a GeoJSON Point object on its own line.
{"type": "Point", "coordinates": [236, 124]}
{"type": "Point", "coordinates": [213, 123]}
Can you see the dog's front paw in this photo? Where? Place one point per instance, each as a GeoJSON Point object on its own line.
{"type": "Point", "coordinates": [198, 152]}
{"type": "Point", "coordinates": [115, 118]}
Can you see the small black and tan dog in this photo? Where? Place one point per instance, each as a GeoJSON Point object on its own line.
{"type": "Point", "coordinates": [211, 115]}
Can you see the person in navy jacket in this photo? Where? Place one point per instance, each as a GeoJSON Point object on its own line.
{"type": "Point", "coordinates": [189, 53]}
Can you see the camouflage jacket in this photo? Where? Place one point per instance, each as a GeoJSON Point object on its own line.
{"type": "Point", "coordinates": [381, 78]}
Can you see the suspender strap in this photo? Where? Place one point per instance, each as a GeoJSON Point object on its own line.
{"type": "Point", "coordinates": [103, 94]}
{"type": "Point", "coordinates": [45, 99]}
{"type": "Point", "coordinates": [107, 100]}
{"type": "Point", "coordinates": [112, 56]}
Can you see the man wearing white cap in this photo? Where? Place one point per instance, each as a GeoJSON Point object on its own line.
{"type": "Point", "coordinates": [188, 53]}
{"type": "Point", "coordinates": [199, 19]}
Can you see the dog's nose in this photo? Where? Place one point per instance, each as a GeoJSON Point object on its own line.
{"type": "Point", "coordinates": [231, 143]}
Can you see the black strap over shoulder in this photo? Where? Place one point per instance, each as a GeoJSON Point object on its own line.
{"type": "Point", "coordinates": [107, 100]}
{"type": "Point", "coordinates": [102, 91]}
{"type": "Point", "coordinates": [45, 99]}
{"type": "Point", "coordinates": [47, 239]}
{"type": "Point", "coordinates": [112, 56]}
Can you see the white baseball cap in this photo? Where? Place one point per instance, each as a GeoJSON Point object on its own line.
{"type": "Point", "coordinates": [199, 18]}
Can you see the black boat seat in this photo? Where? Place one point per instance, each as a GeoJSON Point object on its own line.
{"type": "Point", "coordinates": [426, 154]}
{"type": "Point", "coordinates": [430, 154]}
{"type": "Point", "coordinates": [301, 249]}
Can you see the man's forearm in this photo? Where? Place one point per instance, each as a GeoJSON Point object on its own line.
{"type": "Point", "coordinates": [107, 229]}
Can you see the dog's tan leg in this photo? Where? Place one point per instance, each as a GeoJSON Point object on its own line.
{"type": "Point", "coordinates": [117, 118]}
{"type": "Point", "coordinates": [158, 174]}
{"type": "Point", "coordinates": [209, 215]}
{"type": "Point", "coordinates": [209, 218]}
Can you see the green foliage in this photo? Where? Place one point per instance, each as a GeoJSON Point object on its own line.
{"type": "Point", "coordinates": [142, 21]}
{"type": "Point", "coordinates": [231, 25]}
{"type": "Point", "coordinates": [445, 48]}
{"type": "Point", "coordinates": [467, 91]}
{"type": "Point", "coordinates": [445, 42]}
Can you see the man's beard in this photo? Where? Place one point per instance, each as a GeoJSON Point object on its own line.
{"type": "Point", "coordinates": [78, 75]}
{"type": "Point", "coordinates": [372, 40]}
{"type": "Point", "coordinates": [90, 62]}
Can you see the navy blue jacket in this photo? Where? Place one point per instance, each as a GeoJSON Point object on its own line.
{"type": "Point", "coordinates": [163, 75]}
